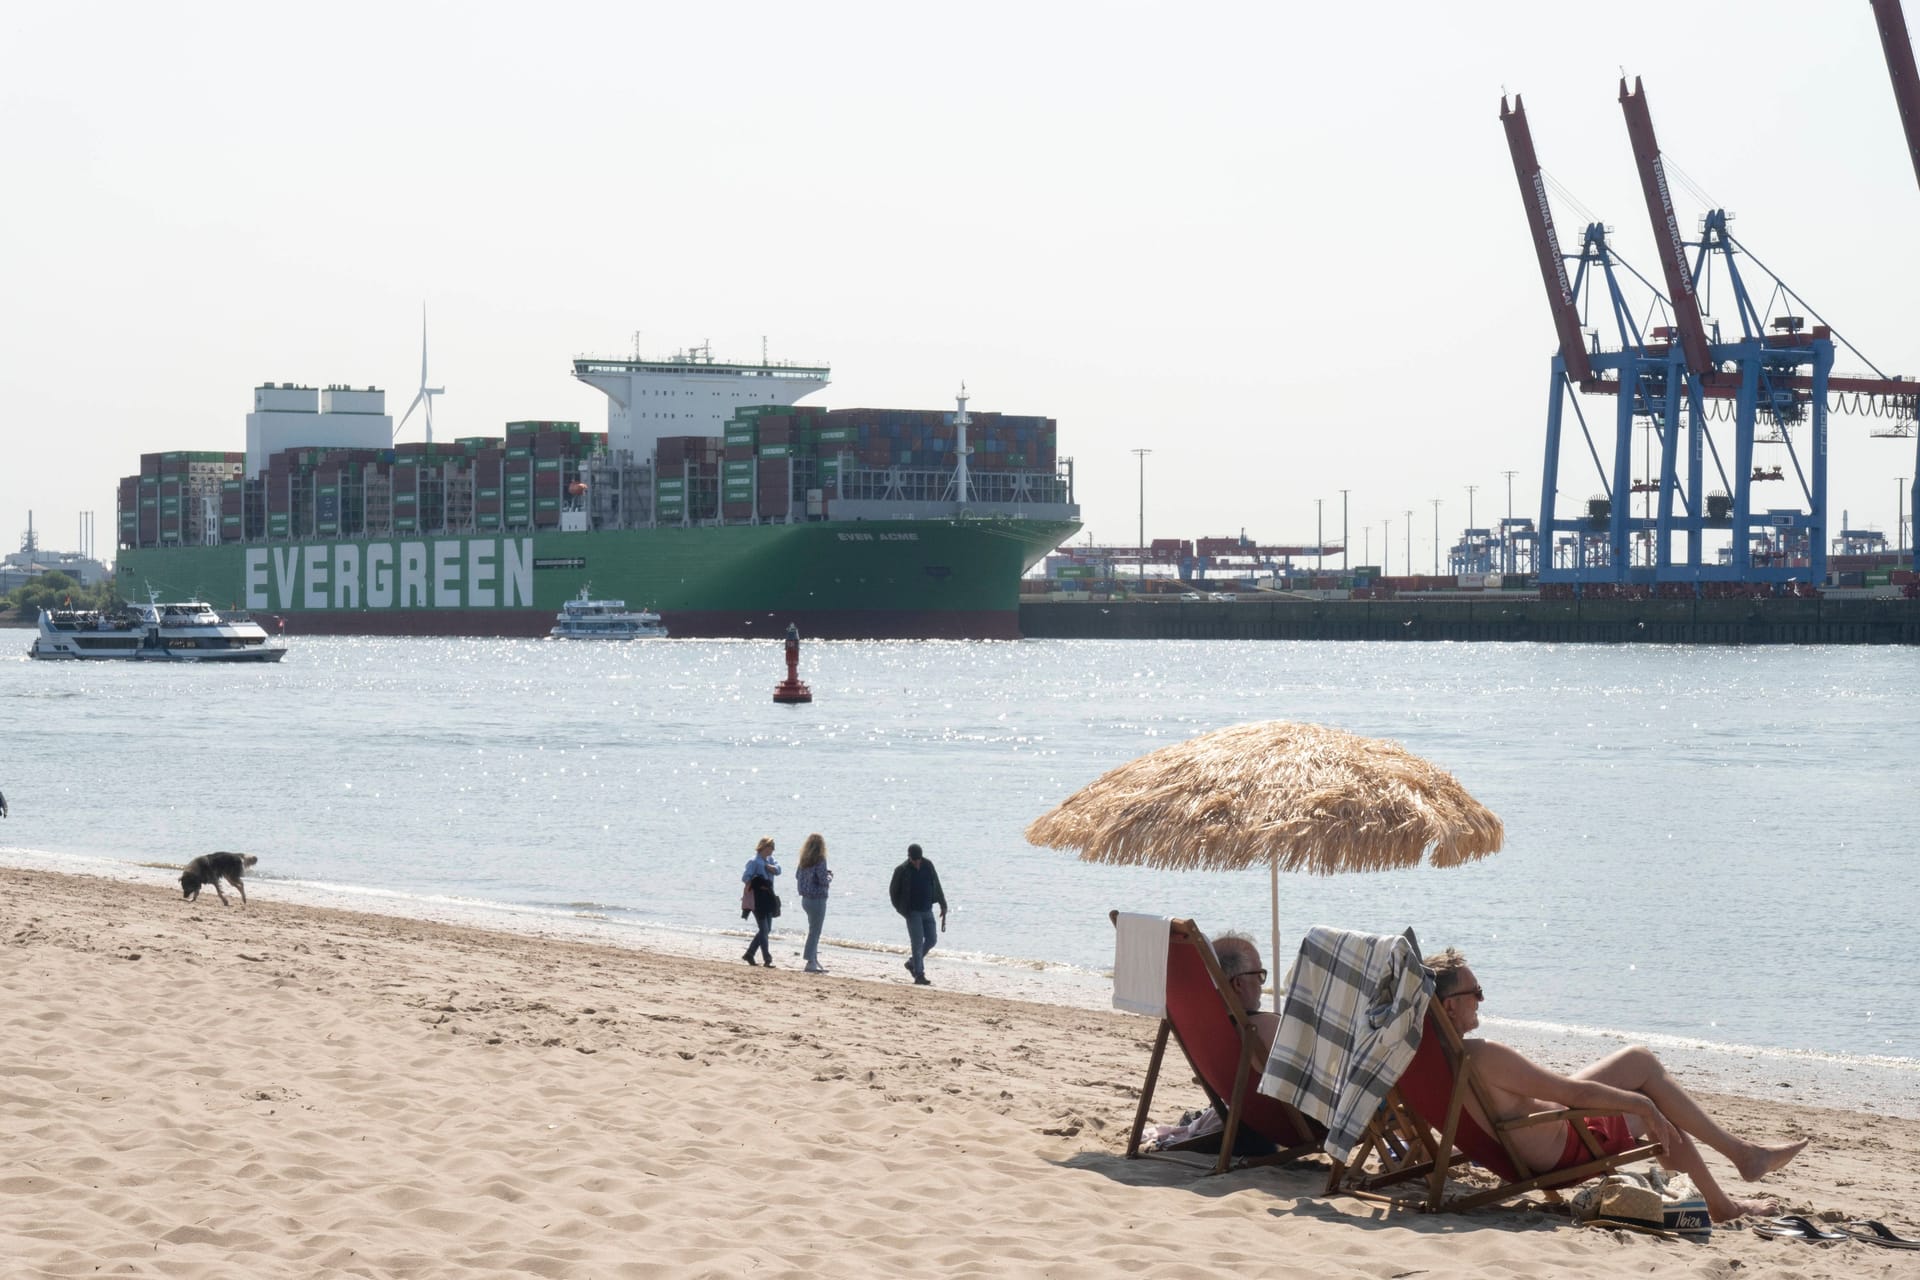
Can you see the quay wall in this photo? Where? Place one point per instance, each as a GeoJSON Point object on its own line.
{"type": "Point", "coordinates": [1821, 620]}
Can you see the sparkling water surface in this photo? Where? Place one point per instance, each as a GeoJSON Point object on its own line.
{"type": "Point", "coordinates": [1706, 848]}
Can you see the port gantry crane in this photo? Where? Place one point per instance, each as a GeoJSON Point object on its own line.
{"type": "Point", "coordinates": [1767, 382]}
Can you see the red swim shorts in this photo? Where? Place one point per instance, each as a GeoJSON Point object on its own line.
{"type": "Point", "coordinates": [1611, 1131]}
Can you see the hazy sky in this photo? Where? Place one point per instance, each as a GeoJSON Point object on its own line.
{"type": "Point", "coordinates": [1280, 245]}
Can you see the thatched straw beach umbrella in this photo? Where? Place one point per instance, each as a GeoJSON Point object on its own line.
{"type": "Point", "coordinates": [1296, 797]}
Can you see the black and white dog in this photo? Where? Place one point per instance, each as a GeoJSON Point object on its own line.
{"type": "Point", "coordinates": [211, 869]}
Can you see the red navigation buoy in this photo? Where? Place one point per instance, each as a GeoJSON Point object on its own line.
{"type": "Point", "coordinates": [792, 689]}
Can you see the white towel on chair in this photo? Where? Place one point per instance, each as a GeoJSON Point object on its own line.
{"type": "Point", "coordinates": [1140, 964]}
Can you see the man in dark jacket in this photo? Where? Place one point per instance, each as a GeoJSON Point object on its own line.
{"type": "Point", "coordinates": [915, 890]}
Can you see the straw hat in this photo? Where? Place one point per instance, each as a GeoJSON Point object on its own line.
{"type": "Point", "coordinates": [1620, 1199]}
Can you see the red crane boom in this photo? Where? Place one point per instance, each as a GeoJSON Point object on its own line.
{"type": "Point", "coordinates": [1666, 229]}
{"type": "Point", "coordinates": [1906, 81]}
{"type": "Point", "coordinates": [1546, 242]}
{"type": "Point", "coordinates": [1896, 389]}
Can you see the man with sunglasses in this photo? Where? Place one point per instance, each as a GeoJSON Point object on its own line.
{"type": "Point", "coordinates": [1240, 966]}
{"type": "Point", "coordinates": [1631, 1080]}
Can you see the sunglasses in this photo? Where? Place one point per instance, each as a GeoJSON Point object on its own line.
{"type": "Point", "coordinates": [1260, 974]}
{"type": "Point", "coordinates": [1478, 993]}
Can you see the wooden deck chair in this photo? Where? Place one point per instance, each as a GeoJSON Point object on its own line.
{"type": "Point", "coordinates": [1426, 1114]}
{"type": "Point", "coordinates": [1214, 1031]}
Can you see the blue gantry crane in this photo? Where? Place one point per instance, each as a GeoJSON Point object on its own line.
{"type": "Point", "coordinates": [1702, 399]}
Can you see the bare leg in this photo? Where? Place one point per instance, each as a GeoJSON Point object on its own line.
{"type": "Point", "coordinates": [1638, 1069]}
{"type": "Point", "coordinates": [1721, 1207]}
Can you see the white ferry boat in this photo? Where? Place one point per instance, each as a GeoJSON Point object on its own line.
{"type": "Point", "coordinates": [181, 631]}
{"type": "Point", "coordinates": [584, 618]}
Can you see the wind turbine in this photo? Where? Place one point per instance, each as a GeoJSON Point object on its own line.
{"type": "Point", "coordinates": [426, 393]}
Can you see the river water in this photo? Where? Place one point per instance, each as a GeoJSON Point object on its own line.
{"type": "Point", "coordinates": [1707, 849]}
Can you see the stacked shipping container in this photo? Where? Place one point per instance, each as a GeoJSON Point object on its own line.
{"type": "Point", "coordinates": [317, 492]}
{"type": "Point", "coordinates": [177, 498]}
{"type": "Point", "coordinates": [772, 462]}
{"type": "Point", "coordinates": [775, 457]}
{"type": "Point", "coordinates": [928, 438]}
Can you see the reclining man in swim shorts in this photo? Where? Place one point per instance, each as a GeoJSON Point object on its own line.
{"type": "Point", "coordinates": [1632, 1080]}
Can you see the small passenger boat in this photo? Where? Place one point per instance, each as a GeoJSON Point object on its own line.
{"type": "Point", "coordinates": [584, 618]}
{"type": "Point", "coordinates": [158, 631]}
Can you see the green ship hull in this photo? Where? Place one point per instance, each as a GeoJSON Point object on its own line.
{"type": "Point", "coordinates": [871, 579]}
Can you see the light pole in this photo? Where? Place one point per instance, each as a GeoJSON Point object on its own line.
{"type": "Point", "coordinates": [1319, 539]}
{"type": "Point", "coordinates": [1409, 543]}
{"type": "Point", "coordinates": [1142, 455]}
{"type": "Point", "coordinates": [1900, 514]}
{"type": "Point", "coordinates": [1366, 542]}
{"type": "Point", "coordinates": [1508, 561]}
{"type": "Point", "coordinates": [1386, 547]}
{"type": "Point", "coordinates": [1346, 561]}
{"type": "Point", "coordinates": [1468, 539]}
{"type": "Point", "coordinates": [1436, 536]}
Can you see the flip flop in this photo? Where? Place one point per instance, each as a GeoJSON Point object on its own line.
{"type": "Point", "coordinates": [1877, 1233]}
{"type": "Point", "coordinates": [1793, 1226]}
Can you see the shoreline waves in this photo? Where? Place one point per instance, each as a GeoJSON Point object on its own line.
{"type": "Point", "coordinates": [1881, 1084]}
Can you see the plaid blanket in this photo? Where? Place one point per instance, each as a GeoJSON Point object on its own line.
{"type": "Point", "coordinates": [1349, 1025]}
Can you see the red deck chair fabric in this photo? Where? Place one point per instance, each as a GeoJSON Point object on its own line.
{"type": "Point", "coordinates": [1427, 1086]}
{"type": "Point", "coordinates": [1214, 1032]}
{"type": "Point", "coordinates": [1432, 1092]}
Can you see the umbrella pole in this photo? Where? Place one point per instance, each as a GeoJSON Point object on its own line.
{"type": "Point", "coordinates": [1273, 960]}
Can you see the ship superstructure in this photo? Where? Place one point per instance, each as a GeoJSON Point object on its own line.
{"type": "Point", "coordinates": [687, 394]}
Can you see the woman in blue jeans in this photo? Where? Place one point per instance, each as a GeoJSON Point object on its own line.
{"type": "Point", "coordinates": [758, 877]}
{"type": "Point", "coordinates": [812, 882]}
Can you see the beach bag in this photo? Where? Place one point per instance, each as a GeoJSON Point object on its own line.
{"type": "Point", "coordinates": [1684, 1209]}
{"type": "Point", "coordinates": [746, 901]}
{"type": "Point", "coordinates": [774, 914]}
{"type": "Point", "coordinates": [1649, 1203]}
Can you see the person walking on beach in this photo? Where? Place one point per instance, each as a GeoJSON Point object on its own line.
{"type": "Point", "coordinates": [759, 877]}
{"type": "Point", "coordinates": [915, 890]}
{"type": "Point", "coordinates": [812, 880]}
{"type": "Point", "coordinates": [1630, 1080]}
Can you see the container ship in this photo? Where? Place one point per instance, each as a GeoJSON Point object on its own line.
{"type": "Point", "coordinates": [713, 498]}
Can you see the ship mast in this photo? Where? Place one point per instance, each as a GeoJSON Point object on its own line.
{"type": "Point", "coordinates": [960, 450]}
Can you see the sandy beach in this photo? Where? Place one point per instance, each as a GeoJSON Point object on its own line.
{"type": "Point", "coordinates": [278, 1090]}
